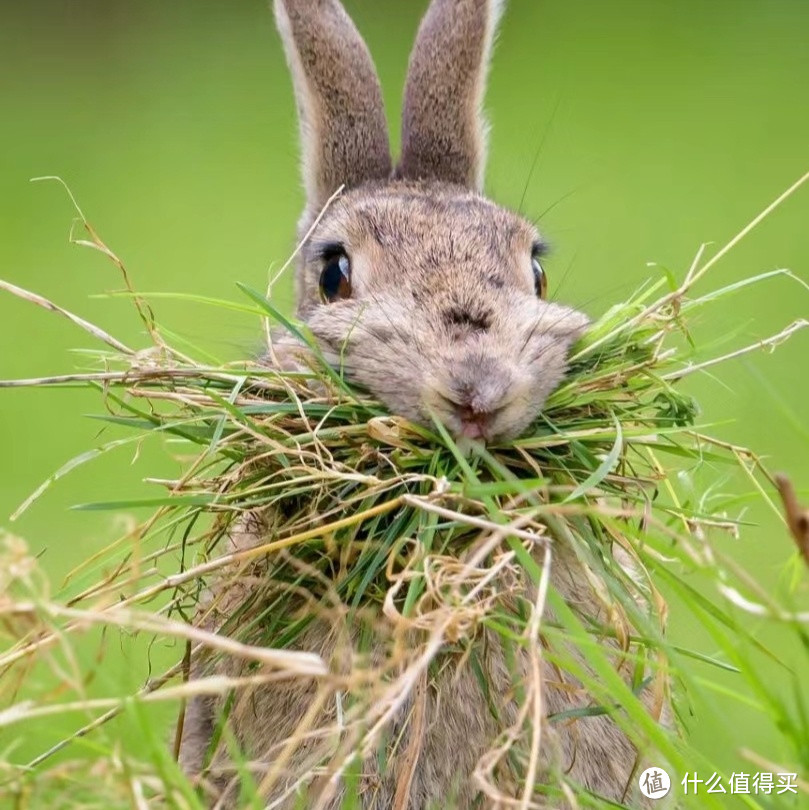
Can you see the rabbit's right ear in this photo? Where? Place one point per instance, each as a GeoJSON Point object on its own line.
{"type": "Point", "coordinates": [344, 133]}
{"type": "Point", "coordinates": [443, 130]}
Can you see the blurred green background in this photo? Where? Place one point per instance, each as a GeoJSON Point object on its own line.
{"type": "Point", "coordinates": [652, 127]}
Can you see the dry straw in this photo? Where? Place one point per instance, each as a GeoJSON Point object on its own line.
{"type": "Point", "coordinates": [372, 516]}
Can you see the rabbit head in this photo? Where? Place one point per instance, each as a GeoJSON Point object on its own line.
{"type": "Point", "coordinates": [418, 286]}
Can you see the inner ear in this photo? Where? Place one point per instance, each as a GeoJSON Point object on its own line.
{"type": "Point", "coordinates": [343, 128]}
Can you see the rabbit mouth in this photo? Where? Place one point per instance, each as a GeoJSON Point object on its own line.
{"type": "Point", "coordinates": [468, 417]}
{"type": "Point", "coordinates": [471, 423]}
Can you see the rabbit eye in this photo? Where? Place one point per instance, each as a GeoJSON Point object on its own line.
{"type": "Point", "coordinates": [540, 279]}
{"type": "Point", "coordinates": [335, 278]}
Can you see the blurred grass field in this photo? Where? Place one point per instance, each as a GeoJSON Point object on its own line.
{"type": "Point", "coordinates": [634, 131]}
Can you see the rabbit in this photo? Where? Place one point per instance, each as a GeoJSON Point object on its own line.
{"type": "Point", "coordinates": [432, 297]}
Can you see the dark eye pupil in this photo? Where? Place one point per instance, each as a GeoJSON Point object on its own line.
{"type": "Point", "coordinates": [540, 279]}
{"type": "Point", "coordinates": [335, 279]}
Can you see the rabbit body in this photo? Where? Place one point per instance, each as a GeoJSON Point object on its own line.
{"type": "Point", "coordinates": [431, 296]}
{"type": "Point", "coordinates": [433, 760]}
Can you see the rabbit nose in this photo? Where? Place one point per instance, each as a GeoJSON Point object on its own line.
{"type": "Point", "coordinates": [476, 390]}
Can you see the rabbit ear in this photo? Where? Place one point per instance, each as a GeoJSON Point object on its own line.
{"type": "Point", "coordinates": [342, 117]}
{"type": "Point", "coordinates": [443, 130]}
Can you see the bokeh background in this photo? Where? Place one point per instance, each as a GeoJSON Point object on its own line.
{"type": "Point", "coordinates": [635, 131]}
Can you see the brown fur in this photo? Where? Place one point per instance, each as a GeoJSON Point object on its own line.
{"type": "Point", "coordinates": [443, 317]}
{"type": "Point", "coordinates": [343, 127]}
{"type": "Point", "coordinates": [443, 132]}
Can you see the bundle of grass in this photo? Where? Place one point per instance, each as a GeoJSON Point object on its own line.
{"type": "Point", "coordinates": [365, 569]}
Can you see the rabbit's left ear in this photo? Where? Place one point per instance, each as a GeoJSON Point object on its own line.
{"type": "Point", "coordinates": [344, 133]}
{"type": "Point", "coordinates": [443, 129]}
